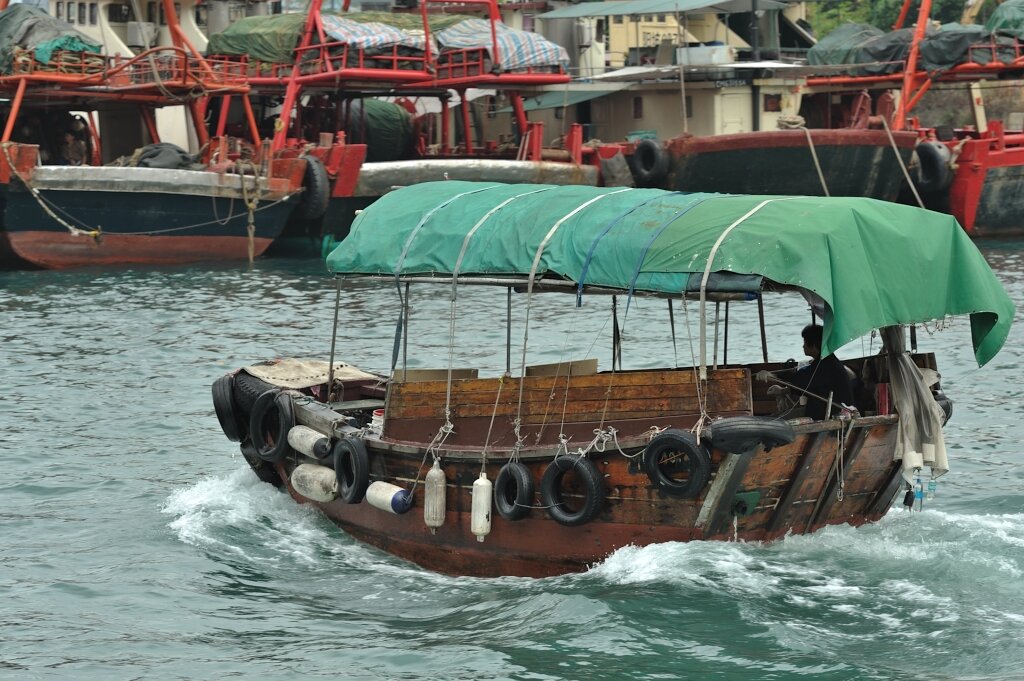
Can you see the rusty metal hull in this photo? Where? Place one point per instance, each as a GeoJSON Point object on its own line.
{"type": "Point", "coordinates": [854, 162]}
{"type": "Point", "coordinates": [796, 486]}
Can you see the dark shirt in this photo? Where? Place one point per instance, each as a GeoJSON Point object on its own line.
{"type": "Point", "coordinates": [821, 377]}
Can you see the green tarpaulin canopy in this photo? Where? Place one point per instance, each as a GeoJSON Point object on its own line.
{"type": "Point", "coordinates": [873, 263]}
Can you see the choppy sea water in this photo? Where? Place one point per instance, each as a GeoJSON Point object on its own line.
{"type": "Point", "coordinates": [136, 544]}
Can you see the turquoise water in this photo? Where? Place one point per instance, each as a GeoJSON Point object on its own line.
{"type": "Point", "coordinates": [137, 544]}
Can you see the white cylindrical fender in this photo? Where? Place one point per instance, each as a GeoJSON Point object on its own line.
{"type": "Point", "coordinates": [310, 442]}
{"type": "Point", "coordinates": [480, 517]}
{"type": "Point", "coordinates": [318, 483]}
{"type": "Point", "coordinates": [388, 497]}
{"type": "Point", "coordinates": [433, 497]}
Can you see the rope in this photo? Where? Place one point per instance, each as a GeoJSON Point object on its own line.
{"type": "Point", "coordinates": [817, 163]}
{"type": "Point", "coordinates": [75, 231]}
{"type": "Point", "coordinates": [899, 159]}
{"type": "Point", "coordinates": [490, 426]}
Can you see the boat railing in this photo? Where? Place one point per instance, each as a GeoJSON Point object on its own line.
{"type": "Point", "coordinates": [160, 67]}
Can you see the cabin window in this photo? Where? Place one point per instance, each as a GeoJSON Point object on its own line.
{"type": "Point", "coordinates": [82, 10]}
{"type": "Point", "coordinates": [94, 13]}
{"type": "Point", "coordinates": [560, 112]}
{"type": "Point", "coordinates": [118, 13]}
{"type": "Point", "coordinates": [638, 107]}
{"type": "Point", "coordinates": [71, 12]}
{"type": "Point", "coordinates": [772, 103]}
{"type": "Point", "coordinates": [60, 10]}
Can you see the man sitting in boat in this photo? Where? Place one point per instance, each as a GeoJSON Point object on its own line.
{"type": "Point", "coordinates": [825, 381]}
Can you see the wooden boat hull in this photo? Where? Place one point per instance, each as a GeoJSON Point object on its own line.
{"type": "Point", "coordinates": [795, 486]}
{"type": "Point", "coordinates": [854, 162]}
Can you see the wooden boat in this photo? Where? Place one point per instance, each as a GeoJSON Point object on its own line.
{"type": "Point", "coordinates": [583, 462]}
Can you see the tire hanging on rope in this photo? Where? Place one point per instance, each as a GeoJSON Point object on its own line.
{"type": "Point", "coordinates": [554, 497]}
{"type": "Point", "coordinates": [677, 464]}
{"type": "Point", "coordinates": [273, 415]}
{"type": "Point", "coordinates": [352, 469]}
{"type": "Point", "coordinates": [513, 491]}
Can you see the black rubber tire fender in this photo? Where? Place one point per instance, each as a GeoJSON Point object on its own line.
{"type": "Point", "coordinates": [273, 415]}
{"type": "Point", "coordinates": [317, 185]}
{"type": "Point", "coordinates": [678, 451]}
{"type": "Point", "coordinates": [513, 491]}
{"type": "Point", "coordinates": [264, 470]}
{"type": "Point", "coordinates": [738, 434]}
{"type": "Point", "coordinates": [649, 163]}
{"type": "Point", "coordinates": [351, 469]}
{"type": "Point", "coordinates": [224, 407]}
{"type": "Point", "coordinates": [945, 404]}
{"type": "Point", "coordinates": [247, 388]}
{"type": "Point", "coordinates": [933, 171]}
{"type": "Point", "coordinates": [551, 490]}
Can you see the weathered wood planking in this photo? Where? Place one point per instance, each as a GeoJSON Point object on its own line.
{"type": "Point", "coordinates": [599, 398]}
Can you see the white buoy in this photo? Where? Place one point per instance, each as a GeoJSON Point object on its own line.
{"type": "Point", "coordinates": [318, 483]}
{"type": "Point", "coordinates": [388, 497]}
{"type": "Point", "coordinates": [480, 518]}
{"type": "Point", "coordinates": [433, 497]}
{"type": "Point", "coordinates": [310, 442]}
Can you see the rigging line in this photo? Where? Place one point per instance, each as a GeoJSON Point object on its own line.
{"type": "Point", "coordinates": [903, 166]}
{"type": "Point", "coordinates": [533, 274]}
{"type": "Point", "coordinates": [707, 274]}
{"type": "Point", "coordinates": [817, 163]}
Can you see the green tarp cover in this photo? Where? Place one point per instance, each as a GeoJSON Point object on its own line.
{"type": "Point", "coordinates": [874, 263]}
{"type": "Point", "coordinates": [30, 28]}
{"type": "Point", "coordinates": [273, 38]}
{"type": "Point", "coordinates": [1008, 18]}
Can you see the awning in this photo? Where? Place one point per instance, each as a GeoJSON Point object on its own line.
{"type": "Point", "coordinates": [635, 7]}
{"type": "Point", "coordinates": [558, 98]}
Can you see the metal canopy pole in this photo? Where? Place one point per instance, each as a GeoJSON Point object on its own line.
{"type": "Point", "coordinates": [760, 319]}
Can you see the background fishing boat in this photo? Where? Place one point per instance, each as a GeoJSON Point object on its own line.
{"type": "Point", "coordinates": [581, 461]}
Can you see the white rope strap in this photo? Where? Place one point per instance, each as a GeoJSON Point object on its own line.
{"type": "Point", "coordinates": [817, 163]}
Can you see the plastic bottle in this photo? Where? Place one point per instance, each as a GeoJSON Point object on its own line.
{"type": "Point", "coordinates": [930, 490]}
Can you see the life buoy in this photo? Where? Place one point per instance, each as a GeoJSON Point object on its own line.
{"type": "Point", "coordinates": [677, 464]}
{"type": "Point", "coordinates": [933, 166]}
{"type": "Point", "coordinates": [352, 469]}
{"type": "Point", "coordinates": [273, 415]}
{"type": "Point", "coordinates": [224, 407]}
{"type": "Point", "coordinates": [317, 185]}
{"type": "Point", "coordinates": [589, 479]}
{"type": "Point", "coordinates": [513, 491]}
{"type": "Point", "coordinates": [648, 162]}
{"type": "Point", "coordinates": [738, 434]}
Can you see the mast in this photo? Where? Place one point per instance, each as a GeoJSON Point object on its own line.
{"type": "Point", "coordinates": [911, 80]}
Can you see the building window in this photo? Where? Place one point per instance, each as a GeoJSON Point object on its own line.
{"type": "Point", "coordinates": [648, 18]}
{"type": "Point", "coordinates": [94, 13]}
{"type": "Point", "coordinates": [638, 108]}
{"type": "Point", "coordinates": [661, 18]}
{"type": "Point", "coordinates": [118, 13]}
{"type": "Point", "coordinates": [60, 10]}
{"type": "Point", "coordinates": [560, 112]}
{"type": "Point", "coordinates": [773, 103]}
{"type": "Point", "coordinates": [82, 10]}
{"type": "Point", "coordinates": [528, 23]}
{"type": "Point", "coordinates": [71, 12]}
{"type": "Point", "coordinates": [617, 19]}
